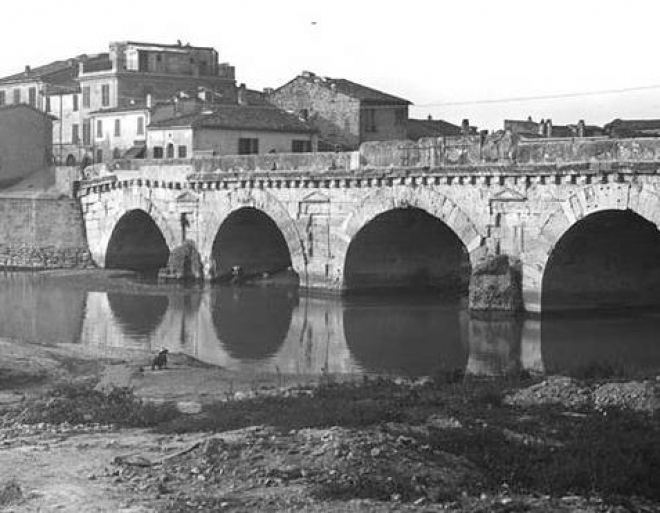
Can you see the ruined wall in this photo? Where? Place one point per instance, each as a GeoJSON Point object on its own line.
{"type": "Point", "coordinates": [42, 233]}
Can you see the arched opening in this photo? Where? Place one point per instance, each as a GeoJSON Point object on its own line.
{"type": "Point", "coordinates": [405, 336]}
{"type": "Point", "coordinates": [252, 322]}
{"type": "Point", "coordinates": [70, 160]}
{"type": "Point", "coordinates": [407, 248]}
{"type": "Point", "coordinates": [609, 259]}
{"type": "Point", "coordinates": [250, 241]}
{"type": "Point", "coordinates": [138, 315]}
{"type": "Point", "coordinates": [137, 244]}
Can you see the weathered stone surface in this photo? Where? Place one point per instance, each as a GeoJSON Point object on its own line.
{"type": "Point", "coordinates": [184, 264]}
{"type": "Point", "coordinates": [499, 195]}
{"type": "Point", "coordinates": [495, 285]}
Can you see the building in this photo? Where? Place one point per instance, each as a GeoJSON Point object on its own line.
{"type": "Point", "coordinates": [230, 130]}
{"type": "Point", "coordinates": [420, 128]}
{"type": "Point", "coordinates": [75, 89]}
{"type": "Point", "coordinates": [633, 128]}
{"type": "Point", "coordinates": [344, 113]}
{"type": "Point", "coordinates": [25, 142]}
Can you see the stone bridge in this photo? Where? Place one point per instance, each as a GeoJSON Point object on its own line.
{"type": "Point", "coordinates": [577, 218]}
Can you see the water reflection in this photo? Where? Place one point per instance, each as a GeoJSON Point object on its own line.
{"type": "Point", "coordinates": [412, 337]}
{"type": "Point", "coordinates": [252, 322]}
{"type": "Point", "coordinates": [138, 315]}
{"type": "Point", "coordinates": [622, 341]}
{"type": "Point", "coordinates": [279, 330]}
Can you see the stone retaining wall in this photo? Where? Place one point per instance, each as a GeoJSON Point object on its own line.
{"type": "Point", "coordinates": [42, 234]}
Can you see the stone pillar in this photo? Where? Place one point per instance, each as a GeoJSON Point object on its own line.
{"type": "Point", "coordinates": [495, 286]}
{"type": "Point", "coordinates": [184, 264]}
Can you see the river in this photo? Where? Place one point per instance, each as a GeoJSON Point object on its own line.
{"type": "Point", "coordinates": [283, 330]}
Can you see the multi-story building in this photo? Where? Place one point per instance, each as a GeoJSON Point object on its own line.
{"type": "Point", "coordinates": [344, 113]}
{"type": "Point", "coordinates": [74, 89]}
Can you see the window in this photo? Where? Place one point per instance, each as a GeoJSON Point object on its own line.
{"type": "Point", "coordinates": [17, 96]}
{"type": "Point", "coordinates": [99, 128]}
{"type": "Point", "coordinates": [2, 98]}
{"type": "Point", "coordinates": [117, 127]}
{"type": "Point", "coordinates": [170, 151]}
{"type": "Point", "coordinates": [75, 102]}
{"type": "Point", "coordinates": [369, 120]}
{"type": "Point", "coordinates": [75, 137]}
{"type": "Point", "coordinates": [87, 135]}
{"type": "Point", "coordinates": [86, 97]}
{"type": "Point", "coordinates": [32, 96]}
{"type": "Point", "coordinates": [301, 146]}
{"type": "Point", "coordinates": [158, 152]}
{"type": "Point", "coordinates": [183, 152]}
{"type": "Point", "coordinates": [143, 61]}
{"type": "Point", "coordinates": [99, 155]}
{"type": "Point", "coordinates": [116, 154]}
{"type": "Point", "coordinates": [140, 125]}
{"type": "Point", "coordinates": [47, 103]}
{"type": "Point", "coordinates": [248, 146]}
{"type": "Point", "coordinates": [105, 95]}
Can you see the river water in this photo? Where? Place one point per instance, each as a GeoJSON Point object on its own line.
{"type": "Point", "coordinates": [282, 330]}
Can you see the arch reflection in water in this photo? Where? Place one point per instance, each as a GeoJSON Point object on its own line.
{"type": "Point", "coordinates": [408, 336]}
{"type": "Point", "coordinates": [578, 344]}
{"type": "Point", "coordinates": [252, 322]}
{"type": "Point", "coordinates": [138, 315]}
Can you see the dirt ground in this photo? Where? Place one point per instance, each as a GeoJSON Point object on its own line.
{"type": "Point", "coordinates": [261, 467]}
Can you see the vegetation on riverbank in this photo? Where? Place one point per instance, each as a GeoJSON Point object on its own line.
{"type": "Point", "coordinates": [434, 440]}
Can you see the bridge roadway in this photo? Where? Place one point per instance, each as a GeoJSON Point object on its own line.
{"type": "Point", "coordinates": [502, 208]}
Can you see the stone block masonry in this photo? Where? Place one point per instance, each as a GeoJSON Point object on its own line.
{"type": "Point", "coordinates": [42, 234]}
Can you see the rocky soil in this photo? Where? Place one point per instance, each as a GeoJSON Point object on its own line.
{"type": "Point", "coordinates": [211, 441]}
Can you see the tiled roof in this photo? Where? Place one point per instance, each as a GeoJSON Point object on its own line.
{"type": "Point", "coordinates": [55, 73]}
{"type": "Point", "coordinates": [239, 117]}
{"type": "Point", "coordinates": [140, 105]}
{"type": "Point", "coordinates": [6, 108]}
{"type": "Point", "coordinates": [353, 89]}
{"type": "Point", "coordinates": [635, 124]}
{"type": "Point", "coordinates": [363, 93]}
{"type": "Point", "coordinates": [418, 128]}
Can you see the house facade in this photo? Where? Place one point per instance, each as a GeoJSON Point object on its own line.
{"type": "Point", "coordinates": [25, 142]}
{"type": "Point", "coordinates": [230, 130]}
{"type": "Point", "coordinates": [75, 90]}
{"type": "Point", "coordinates": [344, 113]}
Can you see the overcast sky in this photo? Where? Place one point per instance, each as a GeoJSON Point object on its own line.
{"type": "Point", "coordinates": [435, 53]}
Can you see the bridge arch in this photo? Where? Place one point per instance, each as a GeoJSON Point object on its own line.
{"type": "Point", "coordinates": [597, 200]}
{"type": "Point", "coordinates": [113, 207]}
{"type": "Point", "coordinates": [435, 211]}
{"type": "Point", "coordinates": [214, 214]}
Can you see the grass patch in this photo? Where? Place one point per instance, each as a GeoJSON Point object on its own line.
{"type": "Point", "coordinates": [80, 403]}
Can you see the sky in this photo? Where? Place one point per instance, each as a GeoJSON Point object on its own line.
{"type": "Point", "coordinates": [452, 59]}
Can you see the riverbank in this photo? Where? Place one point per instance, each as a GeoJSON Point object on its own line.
{"type": "Point", "coordinates": [195, 437]}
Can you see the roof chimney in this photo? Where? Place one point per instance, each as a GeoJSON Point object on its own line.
{"type": "Point", "coordinates": [548, 128]}
{"type": "Point", "coordinates": [465, 127]}
{"type": "Point", "coordinates": [242, 96]}
{"type": "Point", "coordinates": [580, 128]}
{"type": "Point", "coordinates": [307, 74]}
{"type": "Point", "coordinates": [27, 68]}
{"type": "Point", "coordinates": [429, 117]}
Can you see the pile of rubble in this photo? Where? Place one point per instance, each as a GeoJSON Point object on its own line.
{"type": "Point", "coordinates": [641, 396]}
